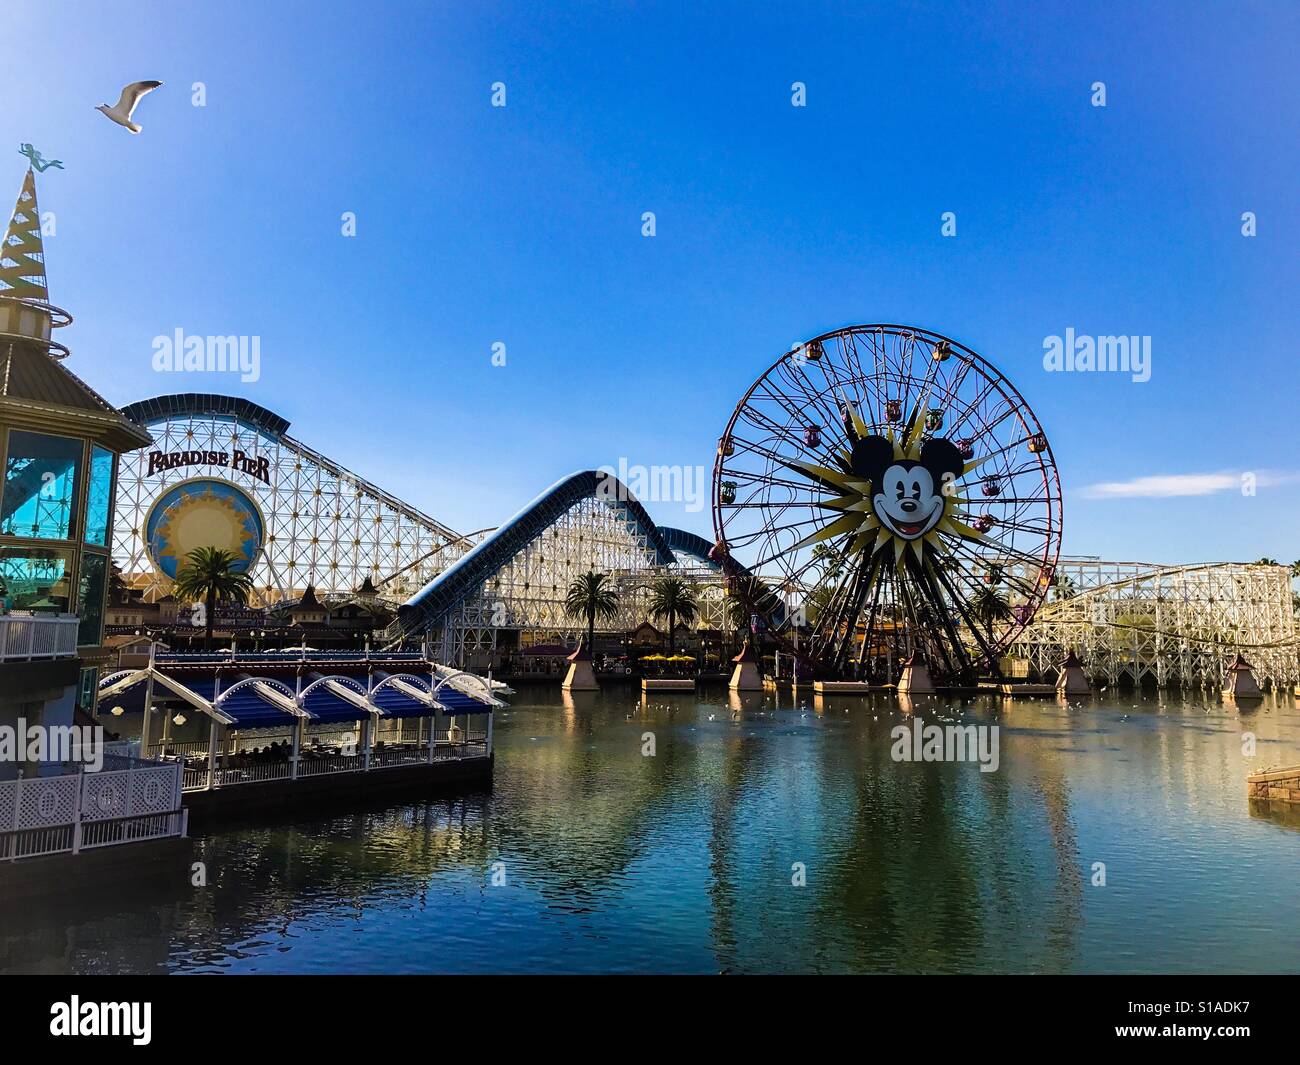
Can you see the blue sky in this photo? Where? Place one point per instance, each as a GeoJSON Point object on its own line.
{"type": "Point", "coordinates": [522, 225]}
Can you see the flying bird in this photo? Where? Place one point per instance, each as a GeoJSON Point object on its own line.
{"type": "Point", "coordinates": [122, 111]}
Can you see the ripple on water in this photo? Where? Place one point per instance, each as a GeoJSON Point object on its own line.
{"type": "Point", "coordinates": [589, 856]}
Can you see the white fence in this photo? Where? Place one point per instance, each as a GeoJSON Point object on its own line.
{"type": "Point", "coordinates": [37, 636]}
{"type": "Point", "coordinates": [315, 763]}
{"type": "Point", "coordinates": [78, 811]}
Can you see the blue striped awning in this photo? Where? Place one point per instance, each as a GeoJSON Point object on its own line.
{"type": "Point", "coordinates": [251, 710]}
{"type": "Point", "coordinates": [327, 706]}
{"type": "Point", "coordinates": [457, 702]}
{"type": "Point", "coordinates": [398, 704]}
{"type": "Point", "coordinates": [202, 686]}
{"type": "Point", "coordinates": [131, 699]}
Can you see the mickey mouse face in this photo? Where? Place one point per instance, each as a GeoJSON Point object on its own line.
{"type": "Point", "coordinates": [908, 495]}
{"type": "Point", "coordinates": [907, 500]}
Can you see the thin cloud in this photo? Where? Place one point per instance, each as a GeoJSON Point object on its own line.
{"type": "Point", "coordinates": [1173, 485]}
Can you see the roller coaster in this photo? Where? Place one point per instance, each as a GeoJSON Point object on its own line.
{"type": "Point", "coordinates": [308, 521]}
{"type": "Point", "coordinates": [1139, 623]}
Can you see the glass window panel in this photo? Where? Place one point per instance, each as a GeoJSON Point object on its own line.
{"type": "Point", "coordinates": [90, 600]}
{"type": "Point", "coordinates": [41, 481]}
{"type": "Point", "coordinates": [36, 578]}
{"type": "Point", "coordinates": [99, 497]}
{"type": "Point", "coordinates": [86, 689]}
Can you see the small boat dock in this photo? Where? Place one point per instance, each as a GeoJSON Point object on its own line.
{"type": "Point", "coordinates": [1275, 785]}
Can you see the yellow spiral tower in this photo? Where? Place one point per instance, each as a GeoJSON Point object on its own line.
{"type": "Point", "coordinates": [25, 310]}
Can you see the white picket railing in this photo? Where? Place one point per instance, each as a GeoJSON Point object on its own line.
{"type": "Point", "coordinates": [382, 757]}
{"type": "Point", "coordinates": [25, 636]}
{"type": "Point", "coordinates": [323, 765]}
{"type": "Point", "coordinates": [255, 773]}
{"type": "Point", "coordinates": [59, 814]}
{"type": "Point", "coordinates": [315, 763]}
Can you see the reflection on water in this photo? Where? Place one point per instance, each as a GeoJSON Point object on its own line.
{"type": "Point", "coordinates": [684, 861]}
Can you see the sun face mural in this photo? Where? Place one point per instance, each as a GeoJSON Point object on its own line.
{"type": "Point", "coordinates": [202, 513]}
{"type": "Point", "coordinates": [901, 490]}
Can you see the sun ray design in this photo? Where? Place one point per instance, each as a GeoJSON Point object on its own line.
{"type": "Point", "coordinates": [922, 470]}
{"type": "Point", "coordinates": [202, 514]}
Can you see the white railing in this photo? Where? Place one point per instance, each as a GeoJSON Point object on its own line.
{"type": "Point", "coordinates": [253, 773]}
{"type": "Point", "coordinates": [382, 757]}
{"type": "Point", "coordinates": [60, 814]}
{"type": "Point", "coordinates": [191, 747]}
{"type": "Point", "coordinates": [320, 765]}
{"type": "Point", "coordinates": [134, 829]}
{"type": "Point", "coordinates": [25, 636]}
{"type": "Point", "coordinates": [312, 763]}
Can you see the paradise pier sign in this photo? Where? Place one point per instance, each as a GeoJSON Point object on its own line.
{"type": "Point", "coordinates": [239, 461]}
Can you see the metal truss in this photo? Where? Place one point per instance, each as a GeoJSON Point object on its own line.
{"type": "Point", "coordinates": [325, 526]}
{"type": "Point", "coordinates": [526, 594]}
{"type": "Point", "coordinates": [1171, 625]}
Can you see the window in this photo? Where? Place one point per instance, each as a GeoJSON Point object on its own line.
{"type": "Point", "coordinates": [41, 482]}
{"type": "Point", "coordinates": [99, 498]}
{"type": "Point", "coordinates": [86, 687]}
{"type": "Point", "coordinates": [36, 578]}
{"type": "Point", "coordinates": [90, 600]}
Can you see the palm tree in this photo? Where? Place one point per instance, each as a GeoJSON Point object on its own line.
{"type": "Point", "coordinates": [674, 599]}
{"type": "Point", "coordinates": [1063, 587]}
{"type": "Point", "coordinates": [819, 599]}
{"type": "Point", "coordinates": [749, 596]}
{"type": "Point", "coordinates": [117, 587]}
{"type": "Point", "coordinates": [209, 575]}
{"type": "Point", "coordinates": [591, 596]}
{"type": "Point", "coordinates": [990, 606]}
{"type": "Point", "coordinates": [1266, 562]}
{"type": "Point", "coordinates": [829, 562]}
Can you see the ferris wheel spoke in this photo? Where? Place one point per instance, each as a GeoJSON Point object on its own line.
{"type": "Point", "coordinates": [848, 350]}
{"type": "Point", "coordinates": [831, 416]}
{"type": "Point", "coordinates": [989, 388]}
{"type": "Point", "coordinates": [1022, 499]}
{"type": "Point", "coordinates": [796, 412]}
{"type": "Point", "coordinates": [988, 432]}
{"type": "Point", "coordinates": [998, 546]}
{"type": "Point", "coordinates": [760, 420]}
{"type": "Point", "coordinates": [824, 453]}
{"type": "Point", "coordinates": [1025, 527]}
{"type": "Point", "coordinates": [1003, 451]}
{"type": "Point", "coordinates": [755, 448]}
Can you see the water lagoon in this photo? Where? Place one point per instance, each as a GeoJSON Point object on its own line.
{"type": "Point", "coordinates": [777, 834]}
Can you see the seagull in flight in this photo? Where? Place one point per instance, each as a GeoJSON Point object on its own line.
{"type": "Point", "coordinates": [121, 111]}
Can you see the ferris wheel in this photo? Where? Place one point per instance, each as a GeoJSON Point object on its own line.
{"type": "Point", "coordinates": [882, 491]}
